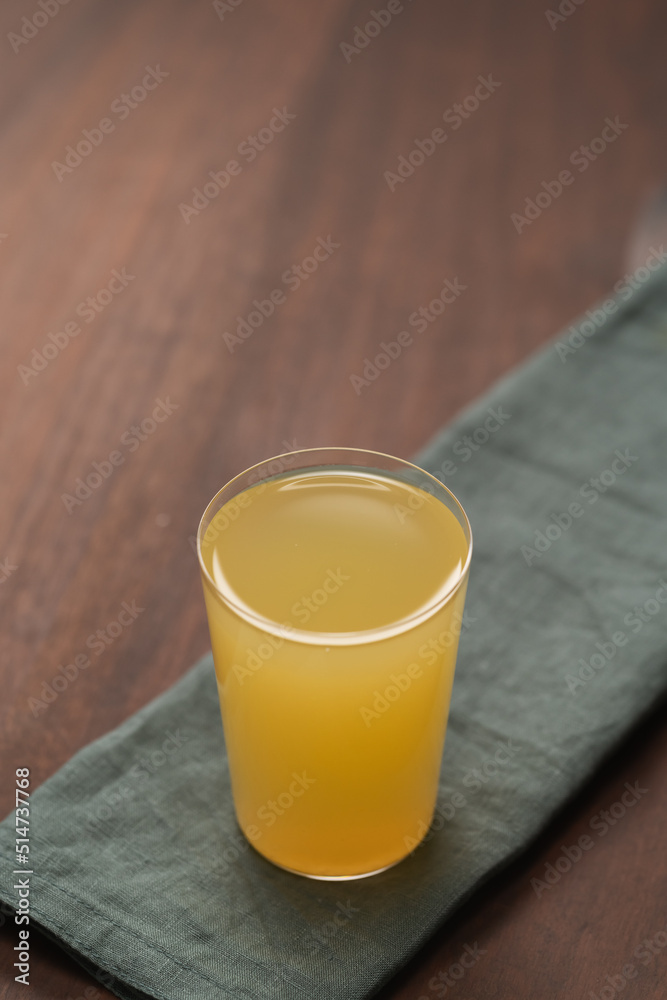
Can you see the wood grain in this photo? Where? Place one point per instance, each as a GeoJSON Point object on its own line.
{"type": "Point", "coordinates": [161, 338]}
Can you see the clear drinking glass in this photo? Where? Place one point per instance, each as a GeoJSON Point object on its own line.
{"type": "Point", "coordinates": [334, 581]}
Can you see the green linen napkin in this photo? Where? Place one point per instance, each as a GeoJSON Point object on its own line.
{"type": "Point", "coordinates": [138, 866]}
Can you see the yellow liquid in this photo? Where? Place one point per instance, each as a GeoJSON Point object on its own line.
{"type": "Point", "coordinates": [334, 738]}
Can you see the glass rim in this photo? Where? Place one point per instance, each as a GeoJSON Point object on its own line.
{"type": "Point", "coordinates": [305, 636]}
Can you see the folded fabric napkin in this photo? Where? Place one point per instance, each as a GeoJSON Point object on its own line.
{"type": "Point", "coordinates": [139, 869]}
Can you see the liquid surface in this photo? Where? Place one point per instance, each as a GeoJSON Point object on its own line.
{"type": "Point", "coordinates": [335, 551]}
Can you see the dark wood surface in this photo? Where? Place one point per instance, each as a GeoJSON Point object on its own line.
{"type": "Point", "coordinates": [161, 337]}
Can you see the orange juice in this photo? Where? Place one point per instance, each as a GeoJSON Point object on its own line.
{"type": "Point", "coordinates": [334, 598]}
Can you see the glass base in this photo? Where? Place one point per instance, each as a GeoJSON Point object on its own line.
{"type": "Point", "coordinates": [336, 878]}
{"type": "Point", "coordinates": [329, 878]}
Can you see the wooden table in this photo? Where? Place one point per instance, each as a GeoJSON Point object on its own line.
{"type": "Point", "coordinates": [127, 290]}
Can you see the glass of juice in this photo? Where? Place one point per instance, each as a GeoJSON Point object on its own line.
{"type": "Point", "coordinates": [334, 581]}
